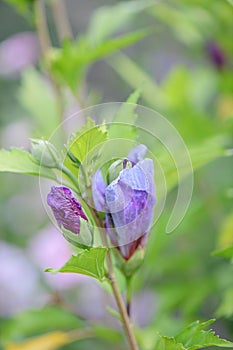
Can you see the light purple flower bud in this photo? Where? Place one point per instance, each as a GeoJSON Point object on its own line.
{"type": "Point", "coordinates": [98, 190]}
{"type": "Point", "coordinates": [130, 201]}
{"type": "Point", "coordinates": [66, 209]}
{"type": "Point", "coordinates": [18, 52]}
{"type": "Point", "coordinates": [137, 153]}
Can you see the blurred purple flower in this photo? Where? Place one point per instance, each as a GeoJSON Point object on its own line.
{"type": "Point", "coordinates": [18, 52]}
{"type": "Point", "coordinates": [19, 281]}
{"type": "Point", "coordinates": [49, 249]}
{"type": "Point", "coordinates": [129, 202]}
{"type": "Point", "coordinates": [66, 209]}
{"type": "Point", "coordinates": [216, 54]}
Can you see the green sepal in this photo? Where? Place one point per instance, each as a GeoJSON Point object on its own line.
{"type": "Point", "coordinates": [116, 167]}
{"type": "Point", "coordinates": [44, 153]}
{"type": "Point", "coordinates": [129, 267]}
{"type": "Point", "coordinates": [83, 239]}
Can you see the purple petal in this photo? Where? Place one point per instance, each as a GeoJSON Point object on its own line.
{"type": "Point", "coordinates": [98, 190]}
{"type": "Point", "coordinates": [66, 208]}
{"type": "Point", "coordinates": [137, 153]}
{"type": "Point", "coordinates": [130, 200]}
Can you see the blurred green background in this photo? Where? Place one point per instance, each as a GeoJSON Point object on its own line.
{"type": "Point", "coordinates": [184, 65]}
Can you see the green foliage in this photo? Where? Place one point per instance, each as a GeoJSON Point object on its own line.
{"type": "Point", "coordinates": [192, 338]}
{"type": "Point", "coordinates": [69, 63]}
{"type": "Point", "coordinates": [107, 20]}
{"type": "Point", "coordinates": [167, 343]}
{"type": "Point", "coordinates": [28, 323]}
{"type": "Point", "coordinates": [195, 337]}
{"type": "Point", "coordinates": [21, 162]}
{"type": "Point", "coordinates": [36, 96]}
{"type": "Point", "coordinates": [87, 138]}
{"type": "Point", "coordinates": [123, 123]}
{"type": "Point", "coordinates": [23, 6]}
{"type": "Point", "coordinates": [225, 253]}
{"type": "Point", "coordinates": [88, 262]}
{"type": "Point", "coordinates": [83, 148]}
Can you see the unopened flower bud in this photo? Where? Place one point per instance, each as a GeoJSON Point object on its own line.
{"type": "Point", "coordinates": [44, 152]}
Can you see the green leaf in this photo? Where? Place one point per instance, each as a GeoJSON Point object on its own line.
{"type": "Point", "coordinates": [134, 75]}
{"type": "Point", "coordinates": [225, 308]}
{"type": "Point", "coordinates": [195, 337]}
{"type": "Point", "coordinates": [88, 262]}
{"type": "Point", "coordinates": [21, 162]}
{"type": "Point", "coordinates": [225, 252]}
{"type": "Point", "coordinates": [22, 6]}
{"type": "Point", "coordinates": [201, 154]}
{"type": "Point", "coordinates": [33, 322]}
{"type": "Point", "coordinates": [86, 139]}
{"type": "Point", "coordinates": [125, 118]}
{"type": "Point", "coordinates": [36, 97]}
{"type": "Point", "coordinates": [107, 20]}
{"type": "Point", "coordinates": [166, 343]}
{"type": "Point", "coordinates": [70, 62]}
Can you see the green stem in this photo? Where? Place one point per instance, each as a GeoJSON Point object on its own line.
{"type": "Point", "coordinates": [128, 294]}
{"type": "Point", "coordinates": [67, 172]}
{"type": "Point", "coordinates": [127, 325]}
{"type": "Point", "coordinates": [61, 20]}
{"type": "Point", "coordinates": [45, 43]}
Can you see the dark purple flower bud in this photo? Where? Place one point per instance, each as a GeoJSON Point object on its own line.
{"type": "Point", "coordinates": [66, 209]}
{"type": "Point", "coordinates": [216, 54]}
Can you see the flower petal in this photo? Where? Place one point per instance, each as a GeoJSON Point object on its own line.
{"type": "Point", "coordinates": [137, 153]}
{"type": "Point", "coordinates": [66, 208]}
{"type": "Point", "coordinates": [98, 190]}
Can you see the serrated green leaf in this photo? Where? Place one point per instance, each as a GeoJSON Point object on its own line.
{"type": "Point", "coordinates": [88, 262]}
{"type": "Point", "coordinates": [166, 343]}
{"type": "Point", "coordinates": [195, 337]}
{"type": "Point", "coordinates": [21, 162]}
{"type": "Point", "coordinates": [86, 139]}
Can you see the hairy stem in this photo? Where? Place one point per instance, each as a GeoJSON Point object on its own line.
{"type": "Point", "coordinates": [115, 288]}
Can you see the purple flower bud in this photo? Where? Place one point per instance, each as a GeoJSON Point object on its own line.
{"type": "Point", "coordinates": [98, 190]}
{"type": "Point", "coordinates": [137, 153]}
{"type": "Point", "coordinates": [66, 209]}
{"type": "Point", "coordinates": [216, 54]}
{"type": "Point", "coordinates": [128, 201]}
